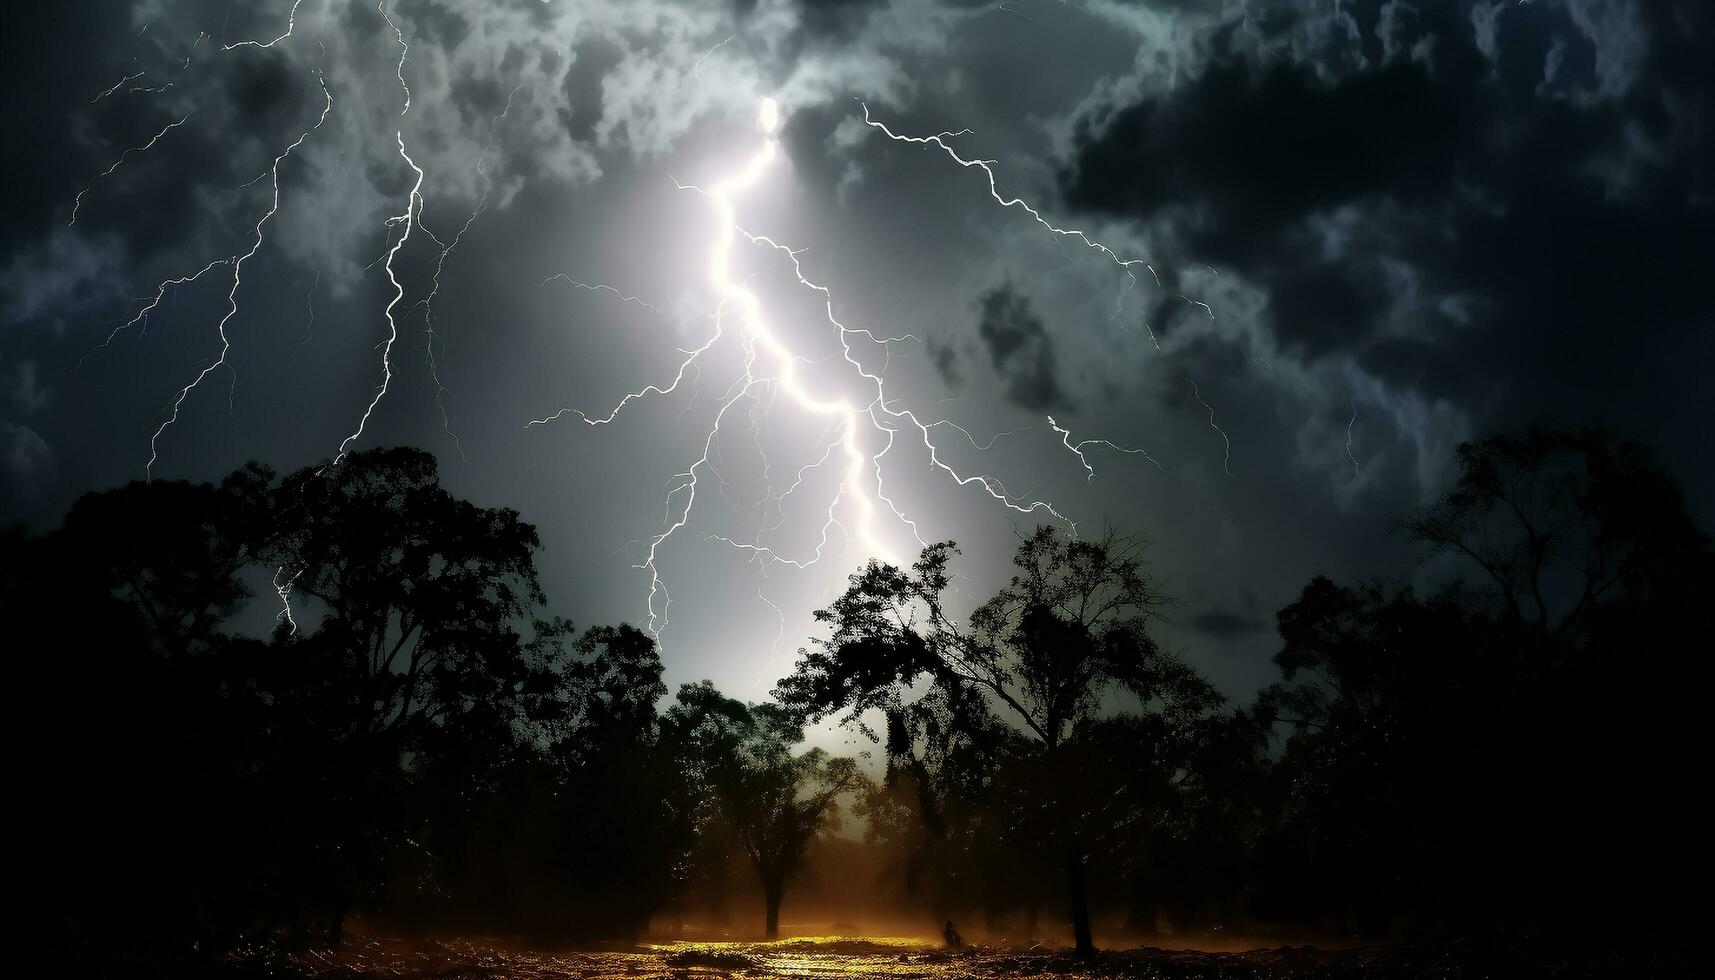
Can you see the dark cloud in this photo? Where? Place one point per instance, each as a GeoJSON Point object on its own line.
{"type": "Point", "coordinates": [1477, 202]}
{"type": "Point", "coordinates": [1426, 218]}
{"type": "Point", "coordinates": [1019, 347]}
{"type": "Point", "coordinates": [49, 44]}
{"type": "Point", "coordinates": [832, 19]}
{"type": "Point", "coordinates": [594, 59]}
{"type": "Point", "coordinates": [946, 361]}
{"type": "Point", "coordinates": [26, 460]}
{"type": "Point", "coordinates": [1257, 148]}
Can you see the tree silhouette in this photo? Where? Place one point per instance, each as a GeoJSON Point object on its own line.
{"type": "Point", "coordinates": [424, 592]}
{"type": "Point", "coordinates": [1563, 523]}
{"type": "Point", "coordinates": [424, 595]}
{"type": "Point", "coordinates": [172, 551]}
{"type": "Point", "coordinates": [1401, 705]}
{"type": "Point", "coordinates": [1040, 655]}
{"type": "Point", "coordinates": [1505, 754]}
{"type": "Point", "coordinates": [629, 820]}
{"type": "Point", "coordinates": [773, 802]}
{"type": "Point", "coordinates": [1502, 755]}
{"type": "Point", "coordinates": [132, 705]}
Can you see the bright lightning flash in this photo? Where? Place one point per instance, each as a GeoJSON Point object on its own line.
{"type": "Point", "coordinates": [772, 367]}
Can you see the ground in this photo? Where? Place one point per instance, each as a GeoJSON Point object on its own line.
{"type": "Point", "coordinates": [829, 957]}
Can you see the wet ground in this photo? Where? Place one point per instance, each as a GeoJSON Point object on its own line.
{"type": "Point", "coordinates": [371, 959]}
{"type": "Point", "coordinates": [910, 960]}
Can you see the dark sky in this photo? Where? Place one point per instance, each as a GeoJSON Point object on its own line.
{"type": "Point", "coordinates": [1375, 228]}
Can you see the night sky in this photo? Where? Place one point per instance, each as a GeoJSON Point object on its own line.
{"type": "Point", "coordinates": [1376, 228]}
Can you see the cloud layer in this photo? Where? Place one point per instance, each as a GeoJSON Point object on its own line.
{"type": "Point", "coordinates": [1373, 228]}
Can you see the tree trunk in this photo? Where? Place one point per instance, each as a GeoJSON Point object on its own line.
{"type": "Point", "coordinates": [1077, 888]}
{"type": "Point", "coordinates": [336, 922]}
{"type": "Point", "coordinates": [773, 889]}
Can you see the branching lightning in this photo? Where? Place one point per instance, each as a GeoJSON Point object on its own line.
{"type": "Point", "coordinates": [1126, 265]}
{"type": "Point", "coordinates": [117, 86]}
{"type": "Point", "coordinates": [77, 202]}
{"type": "Point", "coordinates": [237, 281]}
{"type": "Point", "coordinates": [981, 446]}
{"type": "Point", "coordinates": [408, 220]}
{"type": "Point", "coordinates": [857, 427]}
{"type": "Point", "coordinates": [987, 167]}
{"type": "Point", "coordinates": [284, 591]}
{"type": "Point", "coordinates": [428, 302]}
{"type": "Point", "coordinates": [861, 429]}
{"type": "Point", "coordinates": [142, 315]}
{"type": "Point", "coordinates": [1227, 460]}
{"type": "Point", "coordinates": [1077, 448]}
{"type": "Point", "coordinates": [602, 287]}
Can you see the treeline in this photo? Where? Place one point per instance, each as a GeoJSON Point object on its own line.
{"type": "Point", "coordinates": [1506, 754]}
{"type": "Point", "coordinates": [1503, 753]}
{"type": "Point", "coordinates": [412, 736]}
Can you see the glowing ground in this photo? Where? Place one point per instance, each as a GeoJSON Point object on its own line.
{"type": "Point", "coordinates": [837, 957]}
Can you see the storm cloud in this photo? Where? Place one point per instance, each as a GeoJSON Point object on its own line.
{"type": "Point", "coordinates": [1019, 348]}
{"type": "Point", "coordinates": [1357, 232]}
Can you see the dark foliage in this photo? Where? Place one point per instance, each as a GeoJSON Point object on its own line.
{"type": "Point", "coordinates": [1022, 684]}
{"type": "Point", "coordinates": [1506, 754]}
{"type": "Point", "coordinates": [1496, 756]}
{"type": "Point", "coordinates": [413, 739]}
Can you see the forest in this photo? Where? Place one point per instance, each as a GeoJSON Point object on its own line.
{"type": "Point", "coordinates": [1497, 747]}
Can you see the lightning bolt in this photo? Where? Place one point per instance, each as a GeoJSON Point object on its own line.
{"type": "Point", "coordinates": [1226, 462]}
{"type": "Point", "coordinates": [184, 66]}
{"type": "Point", "coordinates": [856, 427]}
{"type": "Point", "coordinates": [237, 281]}
{"type": "Point", "coordinates": [982, 446]}
{"type": "Point", "coordinates": [291, 25]}
{"type": "Point", "coordinates": [284, 591]}
{"type": "Point", "coordinates": [697, 66]}
{"type": "Point", "coordinates": [1126, 265]}
{"type": "Point", "coordinates": [1077, 449]}
{"type": "Point", "coordinates": [1349, 425]}
{"type": "Point", "coordinates": [77, 202]}
{"type": "Point", "coordinates": [760, 338]}
{"type": "Point", "coordinates": [408, 220]}
{"type": "Point", "coordinates": [142, 315]}
{"type": "Point", "coordinates": [447, 248]}
{"type": "Point", "coordinates": [881, 407]}
{"type": "Point", "coordinates": [653, 389]}
{"type": "Point", "coordinates": [116, 86]}
{"type": "Point", "coordinates": [602, 287]}
{"type": "Point", "coordinates": [310, 322]}
{"type": "Point", "coordinates": [987, 167]}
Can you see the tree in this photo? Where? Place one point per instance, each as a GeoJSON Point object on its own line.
{"type": "Point", "coordinates": [1400, 708]}
{"type": "Point", "coordinates": [627, 822]}
{"type": "Point", "coordinates": [172, 551]}
{"type": "Point", "coordinates": [416, 656]}
{"type": "Point", "coordinates": [135, 724]}
{"type": "Point", "coordinates": [424, 592]}
{"type": "Point", "coordinates": [1565, 523]}
{"type": "Point", "coordinates": [1037, 661]}
{"type": "Point", "coordinates": [773, 802]}
{"type": "Point", "coordinates": [1507, 752]}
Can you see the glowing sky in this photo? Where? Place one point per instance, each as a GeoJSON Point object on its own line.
{"type": "Point", "coordinates": [1371, 228]}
